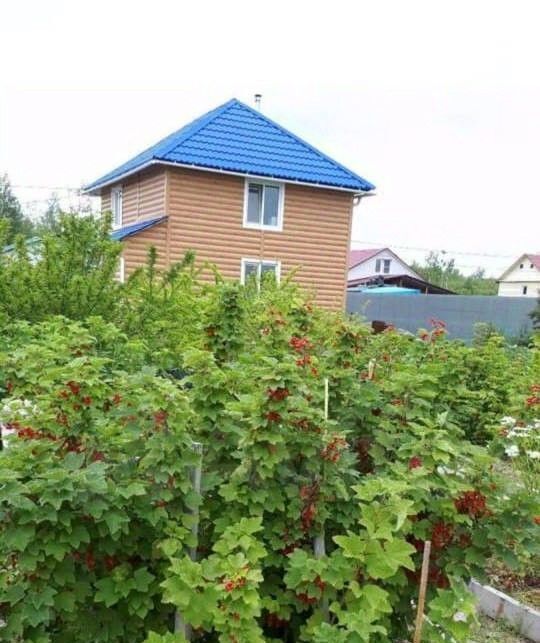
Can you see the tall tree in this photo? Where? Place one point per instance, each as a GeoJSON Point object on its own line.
{"type": "Point", "coordinates": [50, 219]}
{"type": "Point", "coordinates": [11, 211]}
{"type": "Point", "coordinates": [442, 271]}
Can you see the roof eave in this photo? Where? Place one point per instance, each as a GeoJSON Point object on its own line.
{"type": "Point", "coordinates": [94, 189]}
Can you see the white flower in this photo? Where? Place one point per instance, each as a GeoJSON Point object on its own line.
{"type": "Point", "coordinates": [447, 471]}
{"type": "Point", "coordinates": [508, 420]}
{"type": "Point", "coordinates": [535, 455]}
{"type": "Point", "coordinates": [460, 616]}
{"type": "Point", "coordinates": [512, 451]}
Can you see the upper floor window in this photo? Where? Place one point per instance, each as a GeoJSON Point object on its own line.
{"type": "Point", "coordinates": [263, 205]}
{"type": "Point", "coordinates": [524, 290]}
{"type": "Point", "coordinates": [116, 207]}
{"type": "Point", "coordinates": [382, 265]}
{"type": "Point", "coordinates": [521, 266]}
{"type": "Point", "coordinates": [255, 269]}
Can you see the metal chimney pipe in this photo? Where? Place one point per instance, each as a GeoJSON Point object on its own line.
{"type": "Point", "coordinates": [258, 101]}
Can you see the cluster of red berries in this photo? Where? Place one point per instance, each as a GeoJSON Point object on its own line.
{"type": "Point", "coordinates": [273, 416]}
{"type": "Point", "coordinates": [309, 495]}
{"type": "Point", "coordinates": [299, 344]}
{"type": "Point", "coordinates": [278, 394]}
{"type": "Point", "coordinates": [437, 323]}
{"type": "Point", "coordinates": [89, 560]}
{"type": "Point", "coordinates": [28, 433]}
{"type": "Point", "coordinates": [441, 535]}
{"type": "Point", "coordinates": [303, 361]}
{"type": "Point", "coordinates": [464, 541]}
{"type": "Point", "coordinates": [472, 503]}
{"type": "Point", "coordinates": [110, 562]}
{"type": "Point", "coordinates": [536, 520]}
{"type": "Point", "coordinates": [160, 417]}
{"type": "Point", "coordinates": [533, 400]}
{"type": "Point", "coordinates": [397, 401]}
{"type": "Point", "coordinates": [318, 582]}
{"type": "Point", "coordinates": [73, 445]}
{"type": "Point", "coordinates": [231, 584]}
{"type": "Point", "coordinates": [276, 622]}
{"type": "Point", "coordinates": [415, 462]}
{"type": "Point", "coordinates": [307, 600]}
{"type": "Point", "coordinates": [332, 451]}
{"type": "Point", "coordinates": [307, 516]}
{"type": "Point", "coordinates": [288, 549]}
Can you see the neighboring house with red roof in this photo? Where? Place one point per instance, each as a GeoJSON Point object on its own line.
{"type": "Point", "coordinates": [522, 278]}
{"type": "Point", "coordinates": [377, 261]}
{"type": "Point", "coordinates": [243, 193]}
{"type": "Point", "coordinates": [381, 266]}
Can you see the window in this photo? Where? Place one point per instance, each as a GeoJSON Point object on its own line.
{"type": "Point", "coordinates": [253, 268]}
{"type": "Point", "coordinates": [521, 266]}
{"type": "Point", "coordinates": [384, 263]}
{"type": "Point", "coordinates": [531, 266]}
{"type": "Point", "coordinates": [524, 290]}
{"type": "Point", "coordinates": [263, 205]}
{"type": "Point", "coordinates": [116, 207]}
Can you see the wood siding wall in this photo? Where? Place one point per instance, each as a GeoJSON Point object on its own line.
{"type": "Point", "coordinates": [143, 196]}
{"type": "Point", "coordinates": [205, 212]}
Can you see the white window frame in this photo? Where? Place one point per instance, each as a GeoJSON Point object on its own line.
{"type": "Point", "coordinates": [385, 263]}
{"type": "Point", "coordinates": [260, 262]}
{"type": "Point", "coordinates": [281, 202]}
{"type": "Point", "coordinates": [116, 220]}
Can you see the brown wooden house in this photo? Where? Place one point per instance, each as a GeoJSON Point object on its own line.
{"type": "Point", "coordinates": [243, 193]}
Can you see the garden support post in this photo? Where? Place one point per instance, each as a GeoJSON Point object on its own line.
{"type": "Point", "coordinates": [180, 627]}
{"type": "Point", "coordinates": [422, 593]}
{"type": "Point", "coordinates": [319, 544]}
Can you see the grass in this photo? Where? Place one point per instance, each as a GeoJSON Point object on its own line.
{"type": "Point", "coordinates": [490, 631]}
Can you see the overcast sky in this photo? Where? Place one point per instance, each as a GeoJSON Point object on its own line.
{"type": "Point", "coordinates": [437, 103]}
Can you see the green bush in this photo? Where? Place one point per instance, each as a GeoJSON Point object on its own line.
{"type": "Point", "coordinates": [314, 509]}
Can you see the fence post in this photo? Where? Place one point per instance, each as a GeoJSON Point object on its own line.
{"type": "Point", "coordinates": [180, 626]}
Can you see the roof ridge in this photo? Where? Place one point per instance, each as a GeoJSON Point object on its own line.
{"type": "Point", "coordinates": [297, 138]}
{"type": "Point", "coordinates": [201, 122]}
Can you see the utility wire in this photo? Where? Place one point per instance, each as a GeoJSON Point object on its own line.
{"type": "Point", "coordinates": [378, 244]}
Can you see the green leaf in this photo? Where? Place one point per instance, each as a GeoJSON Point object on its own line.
{"type": "Point", "coordinates": [18, 538]}
{"type": "Point", "coordinates": [142, 578]}
{"type": "Point", "coordinates": [385, 562]}
{"type": "Point", "coordinates": [133, 489]}
{"type": "Point", "coordinates": [353, 546]}
{"type": "Point", "coordinates": [65, 601]}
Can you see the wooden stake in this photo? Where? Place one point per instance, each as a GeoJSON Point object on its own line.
{"type": "Point", "coordinates": [326, 398]}
{"type": "Point", "coordinates": [319, 542]}
{"type": "Point", "coordinates": [180, 626]}
{"type": "Point", "coordinates": [422, 593]}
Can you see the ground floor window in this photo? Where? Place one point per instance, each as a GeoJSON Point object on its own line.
{"type": "Point", "coordinates": [257, 269]}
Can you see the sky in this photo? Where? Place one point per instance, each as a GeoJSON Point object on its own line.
{"type": "Point", "coordinates": [436, 103]}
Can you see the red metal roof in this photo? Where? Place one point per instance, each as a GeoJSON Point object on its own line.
{"type": "Point", "coordinates": [358, 256]}
{"type": "Point", "coordinates": [535, 259]}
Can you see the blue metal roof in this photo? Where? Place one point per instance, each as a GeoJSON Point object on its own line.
{"type": "Point", "coordinates": [126, 231]}
{"type": "Point", "coordinates": [237, 138]}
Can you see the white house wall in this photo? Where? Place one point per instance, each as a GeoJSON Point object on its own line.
{"type": "Point", "coordinates": [515, 288]}
{"type": "Point", "coordinates": [517, 278]}
{"type": "Point", "coordinates": [367, 268]}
